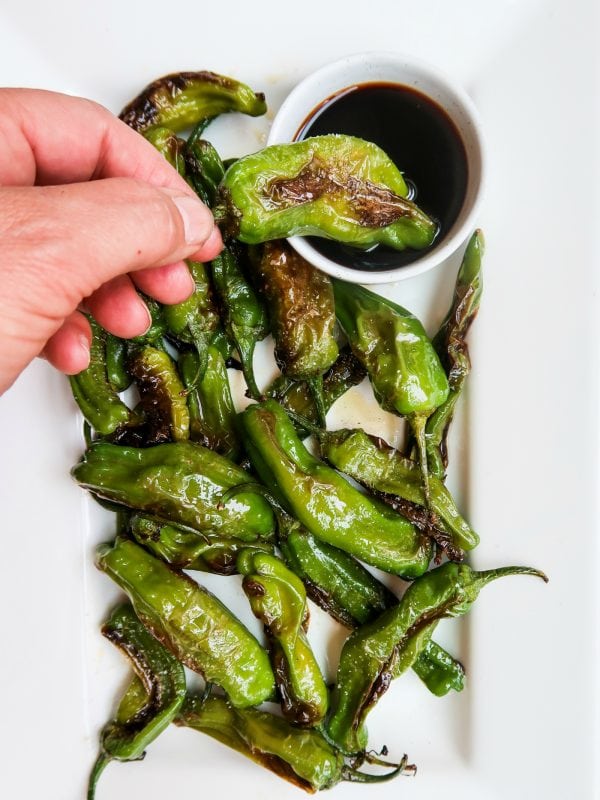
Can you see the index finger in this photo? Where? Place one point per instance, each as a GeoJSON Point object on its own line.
{"type": "Point", "coordinates": [48, 138]}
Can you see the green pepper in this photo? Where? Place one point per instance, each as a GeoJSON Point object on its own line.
{"type": "Point", "coordinates": [190, 622]}
{"type": "Point", "coordinates": [296, 396]}
{"type": "Point", "coordinates": [204, 167]}
{"type": "Point", "coordinates": [218, 412]}
{"type": "Point", "coordinates": [95, 395]}
{"type": "Point", "coordinates": [244, 315]}
{"type": "Point", "coordinates": [382, 650]}
{"type": "Point", "coordinates": [162, 394]}
{"type": "Point", "coordinates": [168, 145]}
{"type": "Point", "coordinates": [453, 351]}
{"type": "Point", "coordinates": [380, 467]}
{"type": "Point", "coordinates": [302, 756]}
{"type": "Point", "coordinates": [342, 587]}
{"type": "Point", "coordinates": [152, 700]}
{"type": "Point", "coordinates": [403, 367]}
{"type": "Point", "coordinates": [183, 99]}
{"type": "Point", "coordinates": [278, 599]}
{"type": "Point", "coordinates": [180, 482]}
{"type": "Point", "coordinates": [186, 548]}
{"type": "Point", "coordinates": [334, 186]}
{"type": "Point", "coordinates": [324, 502]}
{"type": "Point", "coordinates": [302, 316]}
{"type": "Point", "coordinates": [195, 320]}
{"type": "Point", "coordinates": [156, 331]}
{"type": "Point", "coordinates": [117, 351]}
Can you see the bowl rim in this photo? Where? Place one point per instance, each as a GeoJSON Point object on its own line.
{"type": "Point", "coordinates": [476, 156]}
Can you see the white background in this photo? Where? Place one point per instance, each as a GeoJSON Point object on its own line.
{"type": "Point", "coordinates": [524, 458]}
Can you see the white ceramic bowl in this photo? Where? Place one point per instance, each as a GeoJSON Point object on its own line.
{"type": "Point", "coordinates": [390, 68]}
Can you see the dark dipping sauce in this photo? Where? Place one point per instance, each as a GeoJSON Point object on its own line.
{"type": "Point", "coordinates": [422, 141]}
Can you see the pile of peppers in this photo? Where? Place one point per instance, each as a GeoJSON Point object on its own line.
{"type": "Point", "coordinates": [197, 486]}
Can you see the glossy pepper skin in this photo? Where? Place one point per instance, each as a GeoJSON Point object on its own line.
{"type": "Point", "coordinates": [195, 320]}
{"type": "Point", "coordinates": [180, 482]}
{"type": "Point", "coordinates": [380, 467]}
{"type": "Point", "coordinates": [403, 367]}
{"type": "Point", "coordinates": [183, 99]}
{"type": "Point", "coordinates": [186, 548]}
{"type": "Point", "coordinates": [335, 186]}
{"type": "Point", "coordinates": [188, 366]}
{"type": "Point", "coordinates": [382, 650]}
{"type": "Point", "coordinates": [278, 599]}
{"type": "Point", "coordinates": [218, 411]}
{"type": "Point", "coordinates": [204, 168]}
{"type": "Point", "coordinates": [302, 316]}
{"type": "Point", "coordinates": [301, 756]}
{"type": "Point", "coordinates": [341, 586]}
{"type": "Point", "coordinates": [244, 315]}
{"type": "Point", "coordinates": [117, 354]}
{"type": "Point", "coordinates": [296, 396]}
{"type": "Point", "coordinates": [169, 145]}
{"type": "Point", "coordinates": [453, 350]}
{"type": "Point", "coordinates": [324, 502]}
{"type": "Point", "coordinates": [96, 397]}
{"type": "Point", "coordinates": [190, 622]}
{"type": "Point", "coordinates": [162, 395]}
{"type": "Point", "coordinates": [152, 700]}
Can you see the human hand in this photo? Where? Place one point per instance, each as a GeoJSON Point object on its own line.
{"type": "Point", "coordinates": [88, 210]}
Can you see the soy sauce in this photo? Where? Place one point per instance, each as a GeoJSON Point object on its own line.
{"type": "Point", "coordinates": [419, 137]}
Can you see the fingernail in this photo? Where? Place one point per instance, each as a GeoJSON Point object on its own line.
{"type": "Point", "coordinates": [84, 347]}
{"type": "Point", "coordinates": [198, 222]}
{"type": "Point", "coordinates": [149, 315]}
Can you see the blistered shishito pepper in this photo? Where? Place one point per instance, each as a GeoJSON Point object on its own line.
{"type": "Point", "coordinates": [244, 314]}
{"type": "Point", "coordinates": [154, 335]}
{"type": "Point", "coordinates": [190, 622]}
{"type": "Point", "coordinates": [382, 650]}
{"type": "Point", "coordinates": [295, 396]}
{"type": "Point", "coordinates": [188, 366]}
{"type": "Point", "coordinates": [117, 354]}
{"type": "Point", "coordinates": [299, 755]}
{"type": "Point", "coordinates": [152, 699]}
{"type": "Point", "coordinates": [180, 482]}
{"type": "Point", "coordinates": [168, 145]}
{"type": "Point", "coordinates": [186, 548]}
{"type": "Point", "coordinates": [334, 186]}
{"type": "Point", "coordinates": [324, 502]}
{"type": "Point", "coordinates": [183, 99]}
{"type": "Point", "coordinates": [278, 599]}
{"type": "Point", "coordinates": [342, 587]}
{"type": "Point", "coordinates": [453, 351]}
{"type": "Point", "coordinates": [95, 395]}
{"type": "Point", "coordinates": [204, 167]}
{"type": "Point", "coordinates": [402, 365]}
{"type": "Point", "coordinates": [218, 412]}
{"type": "Point", "coordinates": [301, 310]}
{"type": "Point", "coordinates": [380, 467]}
{"type": "Point", "coordinates": [162, 395]}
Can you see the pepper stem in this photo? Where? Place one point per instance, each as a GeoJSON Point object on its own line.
{"type": "Point", "coordinates": [97, 770]}
{"type": "Point", "coordinates": [353, 775]}
{"type": "Point", "coordinates": [417, 423]}
{"type": "Point", "coordinates": [316, 389]}
{"type": "Point", "coordinates": [245, 348]}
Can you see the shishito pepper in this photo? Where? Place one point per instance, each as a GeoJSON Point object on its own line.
{"type": "Point", "coordinates": [186, 548]}
{"type": "Point", "coordinates": [453, 351]}
{"type": "Point", "coordinates": [303, 757]}
{"type": "Point", "coordinates": [278, 599]}
{"type": "Point", "coordinates": [402, 365]}
{"type": "Point", "coordinates": [190, 622]}
{"type": "Point", "coordinates": [342, 587]}
{"type": "Point", "coordinates": [152, 699]}
{"type": "Point", "coordinates": [168, 145]}
{"type": "Point", "coordinates": [382, 650]}
{"type": "Point", "coordinates": [244, 315]}
{"type": "Point", "coordinates": [380, 467]}
{"type": "Point", "coordinates": [204, 167]}
{"type": "Point", "coordinates": [180, 482]}
{"type": "Point", "coordinates": [324, 502]}
{"type": "Point", "coordinates": [162, 395]}
{"type": "Point", "coordinates": [95, 395]}
{"type": "Point", "coordinates": [218, 412]}
{"type": "Point", "coordinates": [301, 310]}
{"type": "Point", "coordinates": [183, 99]}
{"type": "Point", "coordinates": [335, 186]}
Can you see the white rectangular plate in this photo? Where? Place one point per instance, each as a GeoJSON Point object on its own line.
{"type": "Point", "coordinates": [524, 452]}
